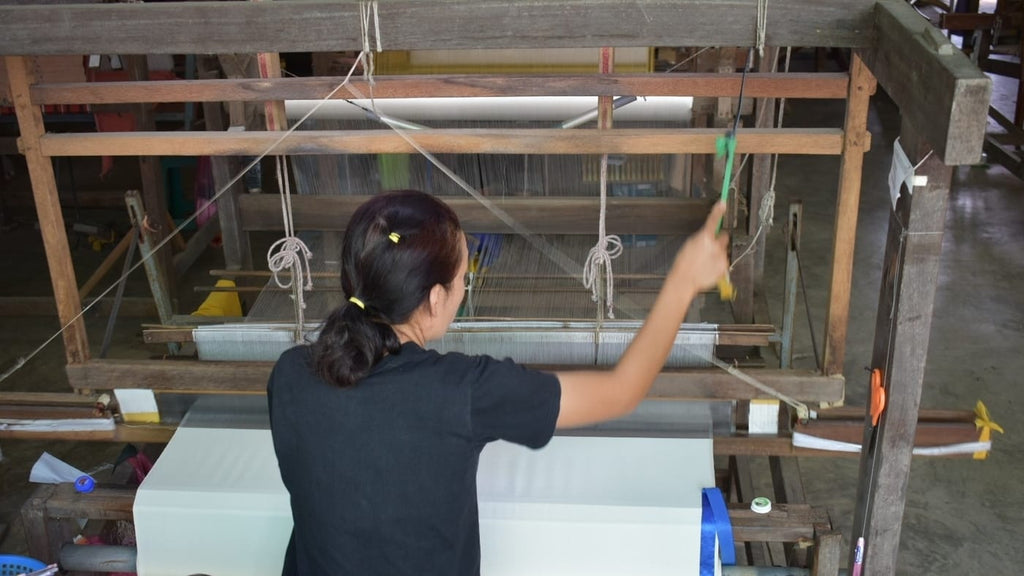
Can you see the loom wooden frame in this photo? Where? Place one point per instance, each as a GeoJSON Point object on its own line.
{"type": "Point", "coordinates": [942, 96]}
{"type": "Point", "coordinates": [850, 142]}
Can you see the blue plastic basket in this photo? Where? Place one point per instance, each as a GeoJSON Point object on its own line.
{"type": "Point", "coordinates": [11, 565]}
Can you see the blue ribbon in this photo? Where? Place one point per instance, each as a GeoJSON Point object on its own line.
{"type": "Point", "coordinates": [715, 522]}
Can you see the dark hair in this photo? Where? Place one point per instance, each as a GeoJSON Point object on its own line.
{"type": "Point", "coordinates": [391, 279]}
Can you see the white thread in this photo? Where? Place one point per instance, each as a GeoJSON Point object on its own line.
{"type": "Point", "coordinates": [762, 23]}
{"type": "Point", "coordinates": [698, 53]}
{"type": "Point", "coordinates": [602, 254]}
{"type": "Point", "coordinates": [926, 156]}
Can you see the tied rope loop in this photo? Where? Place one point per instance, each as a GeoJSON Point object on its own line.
{"type": "Point", "coordinates": [289, 252]}
{"type": "Point", "coordinates": [601, 255]}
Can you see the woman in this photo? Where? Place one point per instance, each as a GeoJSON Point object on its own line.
{"type": "Point", "coordinates": [378, 438]}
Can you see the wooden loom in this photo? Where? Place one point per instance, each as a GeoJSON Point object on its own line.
{"type": "Point", "coordinates": [942, 97]}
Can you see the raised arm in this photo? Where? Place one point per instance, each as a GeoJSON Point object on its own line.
{"type": "Point", "coordinates": [590, 396]}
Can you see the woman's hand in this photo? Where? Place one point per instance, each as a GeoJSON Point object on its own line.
{"type": "Point", "coordinates": [704, 258]}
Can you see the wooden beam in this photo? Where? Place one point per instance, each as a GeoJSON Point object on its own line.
{"type": "Point", "coordinates": [51, 219]}
{"type": "Point", "coordinates": [785, 523]}
{"type": "Point", "coordinates": [822, 141]}
{"type": "Point", "coordinates": [539, 215]}
{"type": "Point", "coordinates": [328, 26]}
{"type": "Point", "coordinates": [902, 329]}
{"type": "Point", "coordinates": [48, 399]}
{"type": "Point", "coordinates": [929, 433]}
{"type": "Point", "coordinates": [759, 85]}
{"type": "Point", "coordinates": [161, 433]}
{"type": "Point", "coordinates": [251, 378]}
{"type": "Point", "coordinates": [934, 84]}
{"type": "Point", "coordinates": [844, 237]}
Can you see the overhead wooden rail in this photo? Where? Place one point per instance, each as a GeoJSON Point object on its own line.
{"type": "Point", "coordinates": [824, 141]}
{"type": "Point", "coordinates": [758, 85]}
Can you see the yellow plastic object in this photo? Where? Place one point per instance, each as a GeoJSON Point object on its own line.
{"type": "Point", "coordinates": [984, 423]}
{"type": "Point", "coordinates": [726, 290]}
{"type": "Point", "coordinates": [221, 303]}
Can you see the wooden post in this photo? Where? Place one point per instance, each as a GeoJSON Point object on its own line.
{"type": "Point", "coordinates": [154, 197]}
{"type": "Point", "coordinates": [794, 226]}
{"type": "Point", "coordinates": [34, 520]}
{"type": "Point", "coordinates": [909, 276]}
{"type": "Point", "coordinates": [147, 246]}
{"type": "Point", "coordinates": [235, 242]}
{"type": "Point", "coordinates": [827, 548]}
{"type": "Point", "coordinates": [856, 141]}
{"type": "Point", "coordinates": [51, 219]}
{"type": "Point", "coordinates": [269, 64]}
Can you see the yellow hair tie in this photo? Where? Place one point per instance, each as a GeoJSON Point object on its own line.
{"type": "Point", "coordinates": [357, 302]}
{"type": "Point", "coordinates": [394, 237]}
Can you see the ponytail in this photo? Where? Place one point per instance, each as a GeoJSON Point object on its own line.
{"type": "Point", "coordinates": [351, 342]}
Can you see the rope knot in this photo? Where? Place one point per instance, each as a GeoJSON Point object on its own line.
{"type": "Point", "coordinates": [290, 253]}
{"type": "Point", "coordinates": [600, 256]}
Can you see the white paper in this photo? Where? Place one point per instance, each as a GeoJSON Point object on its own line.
{"type": "Point", "coordinates": [136, 400]}
{"type": "Point", "coordinates": [52, 470]}
{"type": "Point", "coordinates": [900, 172]}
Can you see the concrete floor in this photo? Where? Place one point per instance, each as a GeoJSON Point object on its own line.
{"type": "Point", "coordinates": [962, 516]}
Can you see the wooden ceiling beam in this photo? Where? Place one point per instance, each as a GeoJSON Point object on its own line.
{"type": "Point", "coordinates": [937, 88]}
{"type": "Point", "coordinates": [330, 25]}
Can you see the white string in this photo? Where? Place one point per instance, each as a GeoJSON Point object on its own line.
{"type": "Point", "coordinates": [368, 11]}
{"type": "Point", "coordinates": [601, 255]}
{"type": "Point", "coordinates": [699, 52]}
{"type": "Point", "coordinates": [762, 23]}
{"type": "Point", "coordinates": [926, 156]}
{"type": "Point", "coordinates": [290, 253]}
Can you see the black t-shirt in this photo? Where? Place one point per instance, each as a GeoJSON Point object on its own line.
{"type": "Point", "coordinates": [382, 475]}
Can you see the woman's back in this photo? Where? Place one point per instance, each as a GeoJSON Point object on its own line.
{"type": "Point", "coordinates": [382, 475]}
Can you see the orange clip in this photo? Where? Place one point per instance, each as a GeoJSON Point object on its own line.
{"type": "Point", "coordinates": [877, 396]}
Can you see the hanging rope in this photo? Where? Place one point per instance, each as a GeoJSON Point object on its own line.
{"type": "Point", "coordinates": [599, 259]}
{"type": "Point", "coordinates": [762, 23]}
{"type": "Point", "coordinates": [291, 253]}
